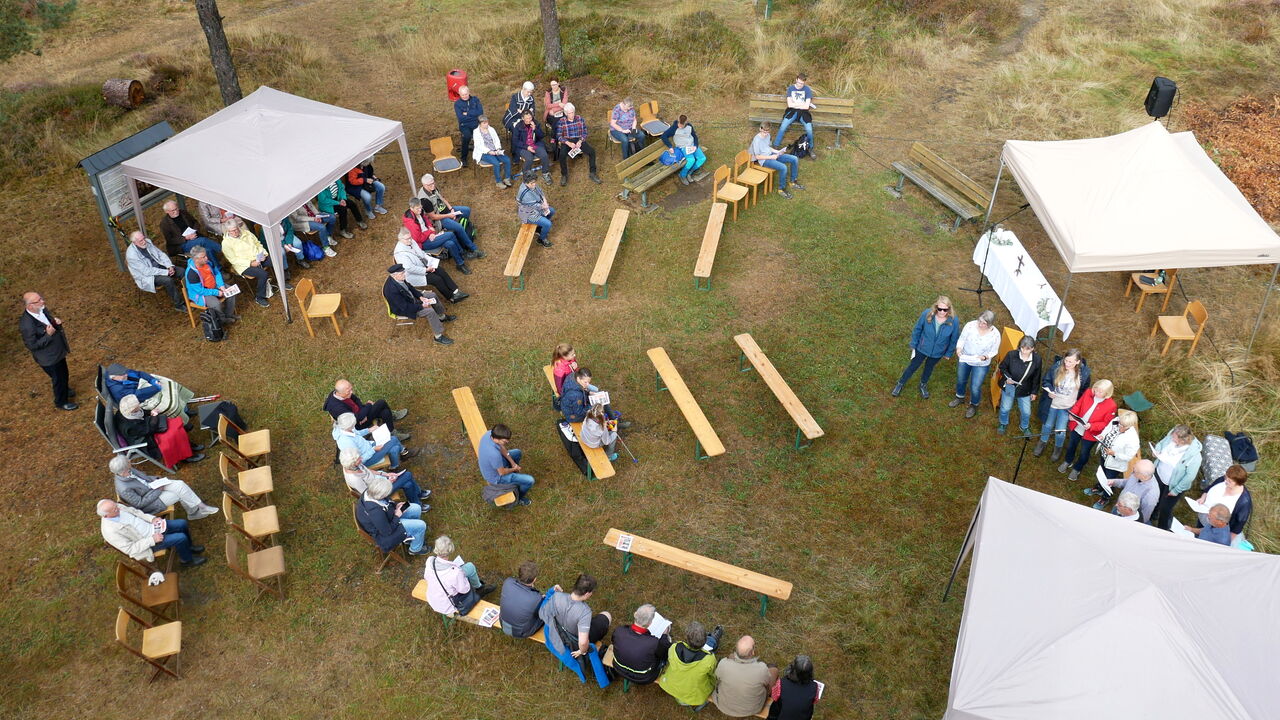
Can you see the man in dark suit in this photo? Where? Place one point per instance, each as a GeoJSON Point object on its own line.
{"type": "Point", "coordinates": [42, 334]}
{"type": "Point", "coordinates": [406, 300]}
{"type": "Point", "coordinates": [343, 399]}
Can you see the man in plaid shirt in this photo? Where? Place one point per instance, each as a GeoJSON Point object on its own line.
{"type": "Point", "coordinates": [571, 133]}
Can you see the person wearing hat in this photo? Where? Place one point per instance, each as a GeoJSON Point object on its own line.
{"type": "Point", "coordinates": [452, 218]}
{"type": "Point", "coordinates": [532, 208]}
{"type": "Point", "coordinates": [181, 232]}
{"type": "Point", "coordinates": [405, 300]}
{"type": "Point", "coordinates": [152, 269]}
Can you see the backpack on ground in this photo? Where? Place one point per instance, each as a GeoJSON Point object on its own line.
{"type": "Point", "coordinates": [211, 323]}
{"type": "Point", "coordinates": [800, 148]}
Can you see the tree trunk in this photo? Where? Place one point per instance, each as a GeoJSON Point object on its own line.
{"type": "Point", "coordinates": [219, 52]}
{"type": "Point", "coordinates": [553, 56]}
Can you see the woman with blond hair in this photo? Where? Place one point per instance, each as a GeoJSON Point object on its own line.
{"type": "Point", "coordinates": [933, 338]}
{"type": "Point", "coordinates": [979, 342]}
{"type": "Point", "coordinates": [1090, 415]}
{"type": "Point", "coordinates": [1118, 445]}
{"type": "Point", "coordinates": [1062, 385]}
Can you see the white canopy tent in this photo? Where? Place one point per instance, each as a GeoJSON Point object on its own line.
{"type": "Point", "coordinates": [263, 157]}
{"type": "Point", "coordinates": [1073, 613]}
{"type": "Point", "coordinates": [1138, 200]}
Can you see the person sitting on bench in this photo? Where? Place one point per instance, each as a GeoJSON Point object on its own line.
{"type": "Point", "coordinates": [488, 149]}
{"type": "Point", "coordinates": [599, 431]}
{"type": "Point", "coordinates": [152, 269]}
{"type": "Point", "coordinates": [177, 240]}
{"type": "Point", "coordinates": [796, 692]}
{"type": "Point", "coordinates": [147, 493]}
{"type": "Point", "coordinates": [139, 535]}
{"type": "Point", "coordinates": [391, 524]}
{"type": "Point", "coordinates": [527, 142]}
{"type": "Point", "coordinates": [788, 166]}
{"type": "Point", "coordinates": [690, 676]}
{"type": "Point", "coordinates": [518, 611]}
{"type": "Point", "coordinates": [421, 270]}
{"type": "Point", "coordinates": [743, 681]}
{"type": "Point", "coordinates": [345, 435]}
{"type": "Point", "coordinates": [682, 137]}
{"type": "Point", "coordinates": [452, 585]}
{"type": "Point", "coordinates": [624, 128]}
{"type": "Point", "coordinates": [407, 301]}
{"type": "Point", "coordinates": [500, 466]}
{"type": "Point", "coordinates": [799, 104]}
{"type": "Point", "coordinates": [572, 630]}
{"type": "Point", "coordinates": [343, 399]}
{"type": "Point", "coordinates": [571, 134]}
{"type": "Point", "coordinates": [357, 475]}
{"type": "Point", "coordinates": [532, 208]}
{"type": "Point", "coordinates": [420, 227]}
{"type": "Point", "coordinates": [638, 655]}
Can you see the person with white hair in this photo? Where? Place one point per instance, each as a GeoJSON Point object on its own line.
{"type": "Point", "coordinates": [571, 135]}
{"type": "Point", "coordinates": [1217, 530]}
{"type": "Point", "coordinates": [521, 100]}
{"type": "Point", "coordinates": [1141, 483]}
{"type": "Point", "coordinates": [448, 217]}
{"type": "Point", "coordinates": [346, 436]}
{"type": "Point", "coordinates": [979, 342]}
{"type": "Point", "coordinates": [139, 535]}
{"type": "Point", "coordinates": [1127, 506]}
{"type": "Point", "coordinates": [527, 142]}
{"type": "Point", "coordinates": [743, 681]}
{"type": "Point", "coordinates": [152, 269]}
{"type": "Point", "coordinates": [638, 655]}
{"type": "Point", "coordinates": [391, 524]}
{"type": "Point", "coordinates": [421, 270]}
{"type": "Point", "coordinates": [249, 259]}
{"type": "Point", "coordinates": [468, 109]}
{"type": "Point", "coordinates": [625, 128]}
{"type": "Point", "coordinates": [357, 475]}
{"type": "Point", "coordinates": [453, 586]}
{"type": "Point", "coordinates": [488, 149]}
{"type": "Point", "coordinates": [165, 437]}
{"type": "Point", "coordinates": [152, 494]}
{"type": "Point", "coordinates": [181, 231]}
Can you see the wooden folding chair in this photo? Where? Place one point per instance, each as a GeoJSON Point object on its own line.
{"type": "Point", "coordinates": [190, 305]}
{"type": "Point", "coordinates": [1177, 327]}
{"type": "Point", "coordinates": [159, 600]}
{"type": "Point", "coordinates": [252, 447]}
{"type": "Point", "coordinates": [397, 321]}
{"type": "Point", "coordinates": [160, 643]}
{"type": "Point", "coordinates": [744, 174]}
{"type": "Point", "coordinates": [648, 119]}
{"type": "Point", "coordinates": [723, 190]}
{"type": "Point", "coordinates": [258, 525]}
{"type": "Point", "coordinates": [259, 567]}
{"type": "Point", "coordinates": [1165, 288]}
{"type": "Point", "coordinates": [443, 160]}
{"type": "Point", "coordinates": [397, 552]}
{"type": "Point", "coordinates": [252, 484]}
{"type": "Point", "coordinates": [319, 305]}
{"type": "Point", "coordinates": [614, 142]}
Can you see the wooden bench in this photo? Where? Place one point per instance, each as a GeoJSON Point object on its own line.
{"type": "Point", "coordinates": [763, 585]}
{"type": "Point", "coordinates": [473, 617]}
{"type": "Point", "coordinates": [829, 112]}
{"type": "Point", "coordinates": [474, 428]}
{"type": "Point", "coordinates": [642, 171]}
{"type": "Point", "coordinates": [666, 372]}
{"type": "Point", "coordinates": [805, 424]}
{"type": "Point", "coordinates": [598, 465]}
{"type": "Point", "coordinates": [965, 197]}
{"type": "Point", "coordinates": [608, 251]}
{"type": "Point", "coordinates": [710, 243]}
{"type": "Point", "coordinates": [519, 252]}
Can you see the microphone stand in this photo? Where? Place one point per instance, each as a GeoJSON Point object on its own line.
{"type": "Point", "coordinates": [1021, 453]}
{"type": "Point", "coordinates": [982, 272]}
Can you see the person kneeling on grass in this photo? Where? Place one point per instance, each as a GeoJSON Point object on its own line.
{"type": "Point", "coordinates": [571, 630]}
{"type": "Point", "coordinates": [788, 166]}
{"type": "Point", "coordinates": [453, 586]}
{"type": "Point", "coordinates": [357, 475]}
{"type": "Point", "coordinates": [682, 138]}
{"type": "Point", "coordinates": [391, 524]}
{"type": "Point", "coordinates": [690, 676]}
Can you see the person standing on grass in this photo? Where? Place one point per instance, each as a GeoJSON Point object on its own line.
{"type": "Point", "coordinates": [521, 100]}
{"type": "Point", "coordinates": [624, 128]}
{"type": "Point", "coordinates": [1216, 529]}
{"type": "Point", "coordinates": [1177, 462]}
{"type": "Point", "coordinates": [43, 335]}
{"type": "Point", "coordinates": [1118, 444]}
{"type": "Point", "coordinates": [1020, 369]}
{"type": "Point", "coordinates": [500, 466]}
{"type": "Point", "coordinates": [682, 137]}
{"type": "Point", "coordinates": [1063, 386]}
{"type": "Point", "coordinates": [979, 342]}
{"type": "Point", "coordinates": [553, 102]}
{"type": "Point", "coordinates": [1229, 490]}
{"type": "Point", "coordinates": [788, 166]}
{"type": "Point", "coordinates": [1096, 408]}
{"type": "Point", "coordinates": [1141, 484]}
{"type": "Point", "coordinates": [799, 104]}
{"type": "Point", "coordinates": [932, 339]}
{"type": "Point", "coordinates": [468, 110]}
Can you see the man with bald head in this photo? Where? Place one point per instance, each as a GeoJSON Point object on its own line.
{"type": "Point", "coordinates": [42, 334]}
{"type": "Point", "coordinates": [182, 232]}
{"type": "Point", "coordinates": [743, 682]}
{"type": "Point", "coordinates": [343, 399]}
{"type": "Point", "coordinates": [1141, 482]}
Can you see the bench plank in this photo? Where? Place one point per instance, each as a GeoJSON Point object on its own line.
{"type": "Point", "coordinates": [936, 187]}
{"type": "Point", "coordinates": [596, 457]}
{"type": "Point", "coordinates": [780, 389]}
{"type": "Point", "coordinates": [702, 429]}
{"type": "Point", "coordinates": [829, 113]}
{"type": "Point", "coordinates": [701, 565]}
{"type": "Point", "coordinates": [710, 240]}
{"type": "Point", "coordinates": [519, 253]}
{"type": "Point", "coordinates": [637, 161]}
{"type": "Point", "coordinates": [609, 250]}
{"type": "Point", "coordinates": [475, 428]}
{"type": "Point", "coordinates": [948, 172]}
{"type": "Point", "coordinates": [477, 612]}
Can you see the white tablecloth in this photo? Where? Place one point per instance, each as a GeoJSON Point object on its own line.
{"type": "Point", "coordinates": [1020, 284]}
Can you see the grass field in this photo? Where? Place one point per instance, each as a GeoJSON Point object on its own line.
{"type": "Point", "coordinates": [866, 523]}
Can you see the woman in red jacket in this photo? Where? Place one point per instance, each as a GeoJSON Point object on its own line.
{"type": "Point", "coordinates": [1088, 418]}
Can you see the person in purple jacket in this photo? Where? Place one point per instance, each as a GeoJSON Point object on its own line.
{"type": "Point", "coordinates": [933, 339]}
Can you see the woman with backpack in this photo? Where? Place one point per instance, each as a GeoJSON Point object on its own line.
{"type": "Point", "coordinates": [933, 338]}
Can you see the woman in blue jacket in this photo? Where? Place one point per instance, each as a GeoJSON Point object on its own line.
{"type": "Point", "coordinates": [933, 339]}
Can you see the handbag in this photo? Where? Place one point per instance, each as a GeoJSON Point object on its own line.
{"type": "Point", "coordinates": [312, 251]}
{"type": "Point", "coordinates": [462, 603]}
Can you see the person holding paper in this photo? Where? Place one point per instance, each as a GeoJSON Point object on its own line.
{"type": "Point", "coordinates": [1020, 370]}
{"type": "Point", "coordinates": [932, 339]}
{"type": "Point", "coordinates": [979, 342]}
{"type": "Point", "coordinates": [571, 630]}
{"type": "Point", "coordinates": [500, 465]}
{"type": "Point", "coordinates": [1062, 385]}
{"type": "Point", "coordinates": [796, 692]}
{"type": "Point", "coordinates": [1177, 462]}
{"type": "Point", "coordinates": [404, 300]}
{"type": "Point", "coordinates": [1127, 506]}
{"type": "Point", "coordinates": [357, 475]}
{"type": "Point", "coordinates": [743, 681]}
{"type": "Point", "coordinates": [181, 232]}
{"type": "Point", "coordinates": [1141, 482]}
{"type": "Point", "coordinates": [206, 287]}
{"type": "Point", "coordinates": [1217, 530]}
{"type": "Point", "coordinates": [598, 431]}
{"type": "Point", "coordinates": [346, 436]}
{"type": "Point", "coordinates": [421, 269]}
{"type": "Point", "coordinates": [152, 494]}
{"type": "Point", "coordinates": [390, 524]}
{"type": "Point", "coordinates": [690, 675]}
{"type": "Point", "coordinates": [1090, 415]}
{"type": "Point", "coordinates": [1119, 444]}
{"type": "Point", "coordinates": [639, 653]}
{"type": "Point", "coordinates": [518, 610]}
{"type": "Point", "coordinates": [139, 535]}
{"type": "Point", "coordinates": [1229, 490]}
{"type": "Point", "coordinates": [249, 259]}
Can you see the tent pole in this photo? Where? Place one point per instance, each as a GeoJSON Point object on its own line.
{"type": "Point", "coordinates": [1258, 323]}
{"type": "Point", "coordinates": [408, 165]}
{"type": "Point", "coordinates": [964, 551]}
{"type": "Point", "coordinates": [1061, 306]}
{"type": "Point", "coordinates": [992, 202]}
{"type": "Point", "coordinates": [137, 203]}
{"type": "Point", "coordinates": [276, 250]}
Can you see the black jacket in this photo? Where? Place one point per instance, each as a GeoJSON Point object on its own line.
{"type": "Point", "coordinates": [518, 135]}
{"type": "Point", "coordinates": [46, 349]}
{"type": "Point", "coordinates": [380, 521]}
{"type": "Point", "coordinates": [405, 300]}
{"type": "Point", "coordinates": [638, 657]}
{"type": "Point", "coordinates": [142, 430]}
{"type": "Point", "coordinates": [172, 229]}
{"type": "Point", "coordinates": [336, 407]}
{"type": "Point", "coordinates": [1012, 368]}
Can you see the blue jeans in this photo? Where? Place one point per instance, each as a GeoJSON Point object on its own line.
{"type": "Point", "coordinates": [916, 362]}
{"type": "Point", "coordinates": [373, 199]}
{"type": "Point", "coordinates": [522, 481]}
{"type": "Point", "coordinates": [412, 523]}
{"type": "Point", "coordinates": [464, 238]}
{"type": "Point", "coordinates": [501, 166]}
{"type": "Point", "coordinates": [213, 249]}
{"type": "Point", "coordinates": [693, 162]}
{"type": "Point", "coordinates": [973, 375]}
{"type": "Point", "coordinates": [175, 536]}
{"type": "Point", "coordinates": [410, 486]}
{"type": "Point", "coordinates": [324, 231]}
{"type": "Point", "coordinates": [632, 142]}
{"type": "Point", "coordinates": [544, 224]}
{"type": "Point", "coordinates": [449, 242]}
{"type": "Point", "coordinates": [469, 570]}
{"type": "Point", "coordinates": [1057, 421]}
{"type": "Point", "coordinates": [1007, 393]}
{"type": "Point", "coordinates": [785, 164]}
{"type": "Point", "coordinates": [786, 123]}
{"type": "Point", "coordinates": [390, 449]}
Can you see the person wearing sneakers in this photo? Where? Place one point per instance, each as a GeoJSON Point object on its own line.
{"type": "Point", "coordinates": [1020, 370]}
{"type": "Point", "coordinates": [391, 524]}
{"type": "Point", "coordinates": [932, 339]}
{"type": "Point", "coordinates": [343, 399]}
{"type": "Point", "coordinates": [690, 675]}
{"type": "Point", "coordinates": [452, 218]}
{"type": "Point", "coordinates": [406, 300]}
{"type": "Point", "coordinates": [453, 586]}
{"type": "Point", "coordinates": [333, 200]}
{"type": "Point", "coordinates": [788, 166]}
{"type": "Point", "coordinates": [358, 476]}
{"type": "Point", "coordinates": [345, 435]}
{"type": "Point", "coordinates": [421, 270]}
{"type": "Point", "coordinates": [488, 149]}
{"type": "Point", "coordinates": [1063, 386]}
{"type": "Point", "coordinates": [308, 219]}
{"type": "Point", "coordinates": [500, 465]}
{"type": "Point", "coordinates": [799, 104]}
{"type": "Point", "coordinates": [1141, 483]}
{"type": "Point", "coordinates": [152, 494]}
{"type": "Point", "coordinates": [599, 431]}
{"type": "Point", "coordinates": [139, 535]}
{"type": "Point", "coordinates": [361, 184]}
{"type": "Point", "coordinates": [528, 144]}
{"type": "Point", "coordinates": [1094, 411]}
{"type": "Point", "coordinates": [468, 110]}
{"type": "Point", "coordinates": [571, 134]}
{"type": "Point", "coordinates": [624, 128]}
{"type": "Point", "coordinates": [420, 227]}
{"type": "Point", "coordinates": [532, 207]}
{"type": "Point", "coordinates": [979, 342]}
{"type": "Point", "coordinates": [682, 137]}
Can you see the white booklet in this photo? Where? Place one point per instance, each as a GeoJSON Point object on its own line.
{"type": "Point", "coordinates": [599, 398]}
{"type": "Point", "coordinates": [231, 290]}
{"type": "Point", "coordinates": [432, 262]}
{"type": "Point", "coordinates": [821, 686]}
{"type": "Point", "coordinates": [381, 434]}
{"type": "Point", "coordinates": [659, 626]}
{"type": "Point", "coordinates": [1103, 481]}
{"type": "Point", "coordinates": [162, 482]}
{"type": "Point", "coordinates": [1177, 528]}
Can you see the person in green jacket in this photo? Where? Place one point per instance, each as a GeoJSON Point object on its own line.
{"type": "Point", "coordinates": [333, 199]}
{"type": "Point", "coordinates": [690, 676]}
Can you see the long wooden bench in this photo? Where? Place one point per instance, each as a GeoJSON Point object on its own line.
{"type": "Point", "coordinates": [763, 585]}
{"type": "Point", "coordinates": [805, 424]}
{"type": "Point", "coordinates": [607, 661]}
{"type": "Point", "coordinates": [828, 112]}
{"type": "Point", "coordinates": [608, 251]}
{"type": "Point", "coordinates": [474, 428]}
{"type": "Point", "coordinates": [598, 465]}
{"type": "Point", "coordinates": [710, 243]}
{"type": "Point", "coordinates": [640, 172]}
{"type": "Point", "coordinates": [665, 372]}
{"type": "Point", "coordinates": [473, 617]}
{"type": "Point", "coordinates": [519, 253]}
{"type": "Point", "coordinates": [960, 193]}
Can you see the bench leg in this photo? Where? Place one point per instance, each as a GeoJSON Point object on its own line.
{"type": "Point", "coordinates": [742, 363]}
{"type": "Point", "coordinates": [837, 138]}
{"type": "Point", "coordinates": [698, 283]}
{"type": "Point", "coordinates": [697, 450]}
{"type": "Point", "coordinates": [627, 557]}
{"type": "Point", "coordinates": [764, 604]}
{"type": "Point", "coordinates": [625, 194]}
{"type": "Point", "coordinates": [600, 292]}
{"type": "Point", "coordinates": [799, 435]}
{"type": "Point", "coordinates": [590, 471]}
{"type": "Point", "coordinates": [626, 685]}
{"type": "Point", "coordinates": [644, 199]}
{"type": "Point", "coordinates": [901, 179]}
{"type": "Point", "coordinates": [516, 287]}
{"type": "Point", "coordinates": [657, 381]}
{"type": "Point", "coordinates": [956, 225]}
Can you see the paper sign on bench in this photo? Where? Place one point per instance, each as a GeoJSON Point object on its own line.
{"type": "Point", "coordinates": [489, 617]}
{"type": "Point", "coordinates": [624, 543]}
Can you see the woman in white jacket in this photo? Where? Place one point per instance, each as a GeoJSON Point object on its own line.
{"type": "Point", "coordinates": [1118, 444]}
{"type": "Point", "coordinates": [421, 270]}
{"type": "Point", "coordinates": [979, 342]}
{"type": "Point", "coordinates": [488, 149]}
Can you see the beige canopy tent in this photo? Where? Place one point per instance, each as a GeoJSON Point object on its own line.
{"type": "Point", "coordinates": [263, 157]}
{"type": "Point", "coordinates": [1072, 613]}
{"type": "Point", "coordinates": [1142, 199]}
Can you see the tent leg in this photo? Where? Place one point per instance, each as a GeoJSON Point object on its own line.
{"type": "Point", "coordinates": [964, 551]}
{"type": "Point", "coordinates": [1262, 310]}
{"type": "Point", "coordinates": [275, 249]}
{"type": "Point", "coordinates": [408, 165]}
{"type": "Point", "coordinates": [137, 203]}
{"type": "Point", "coordinates": [1061, 306]}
